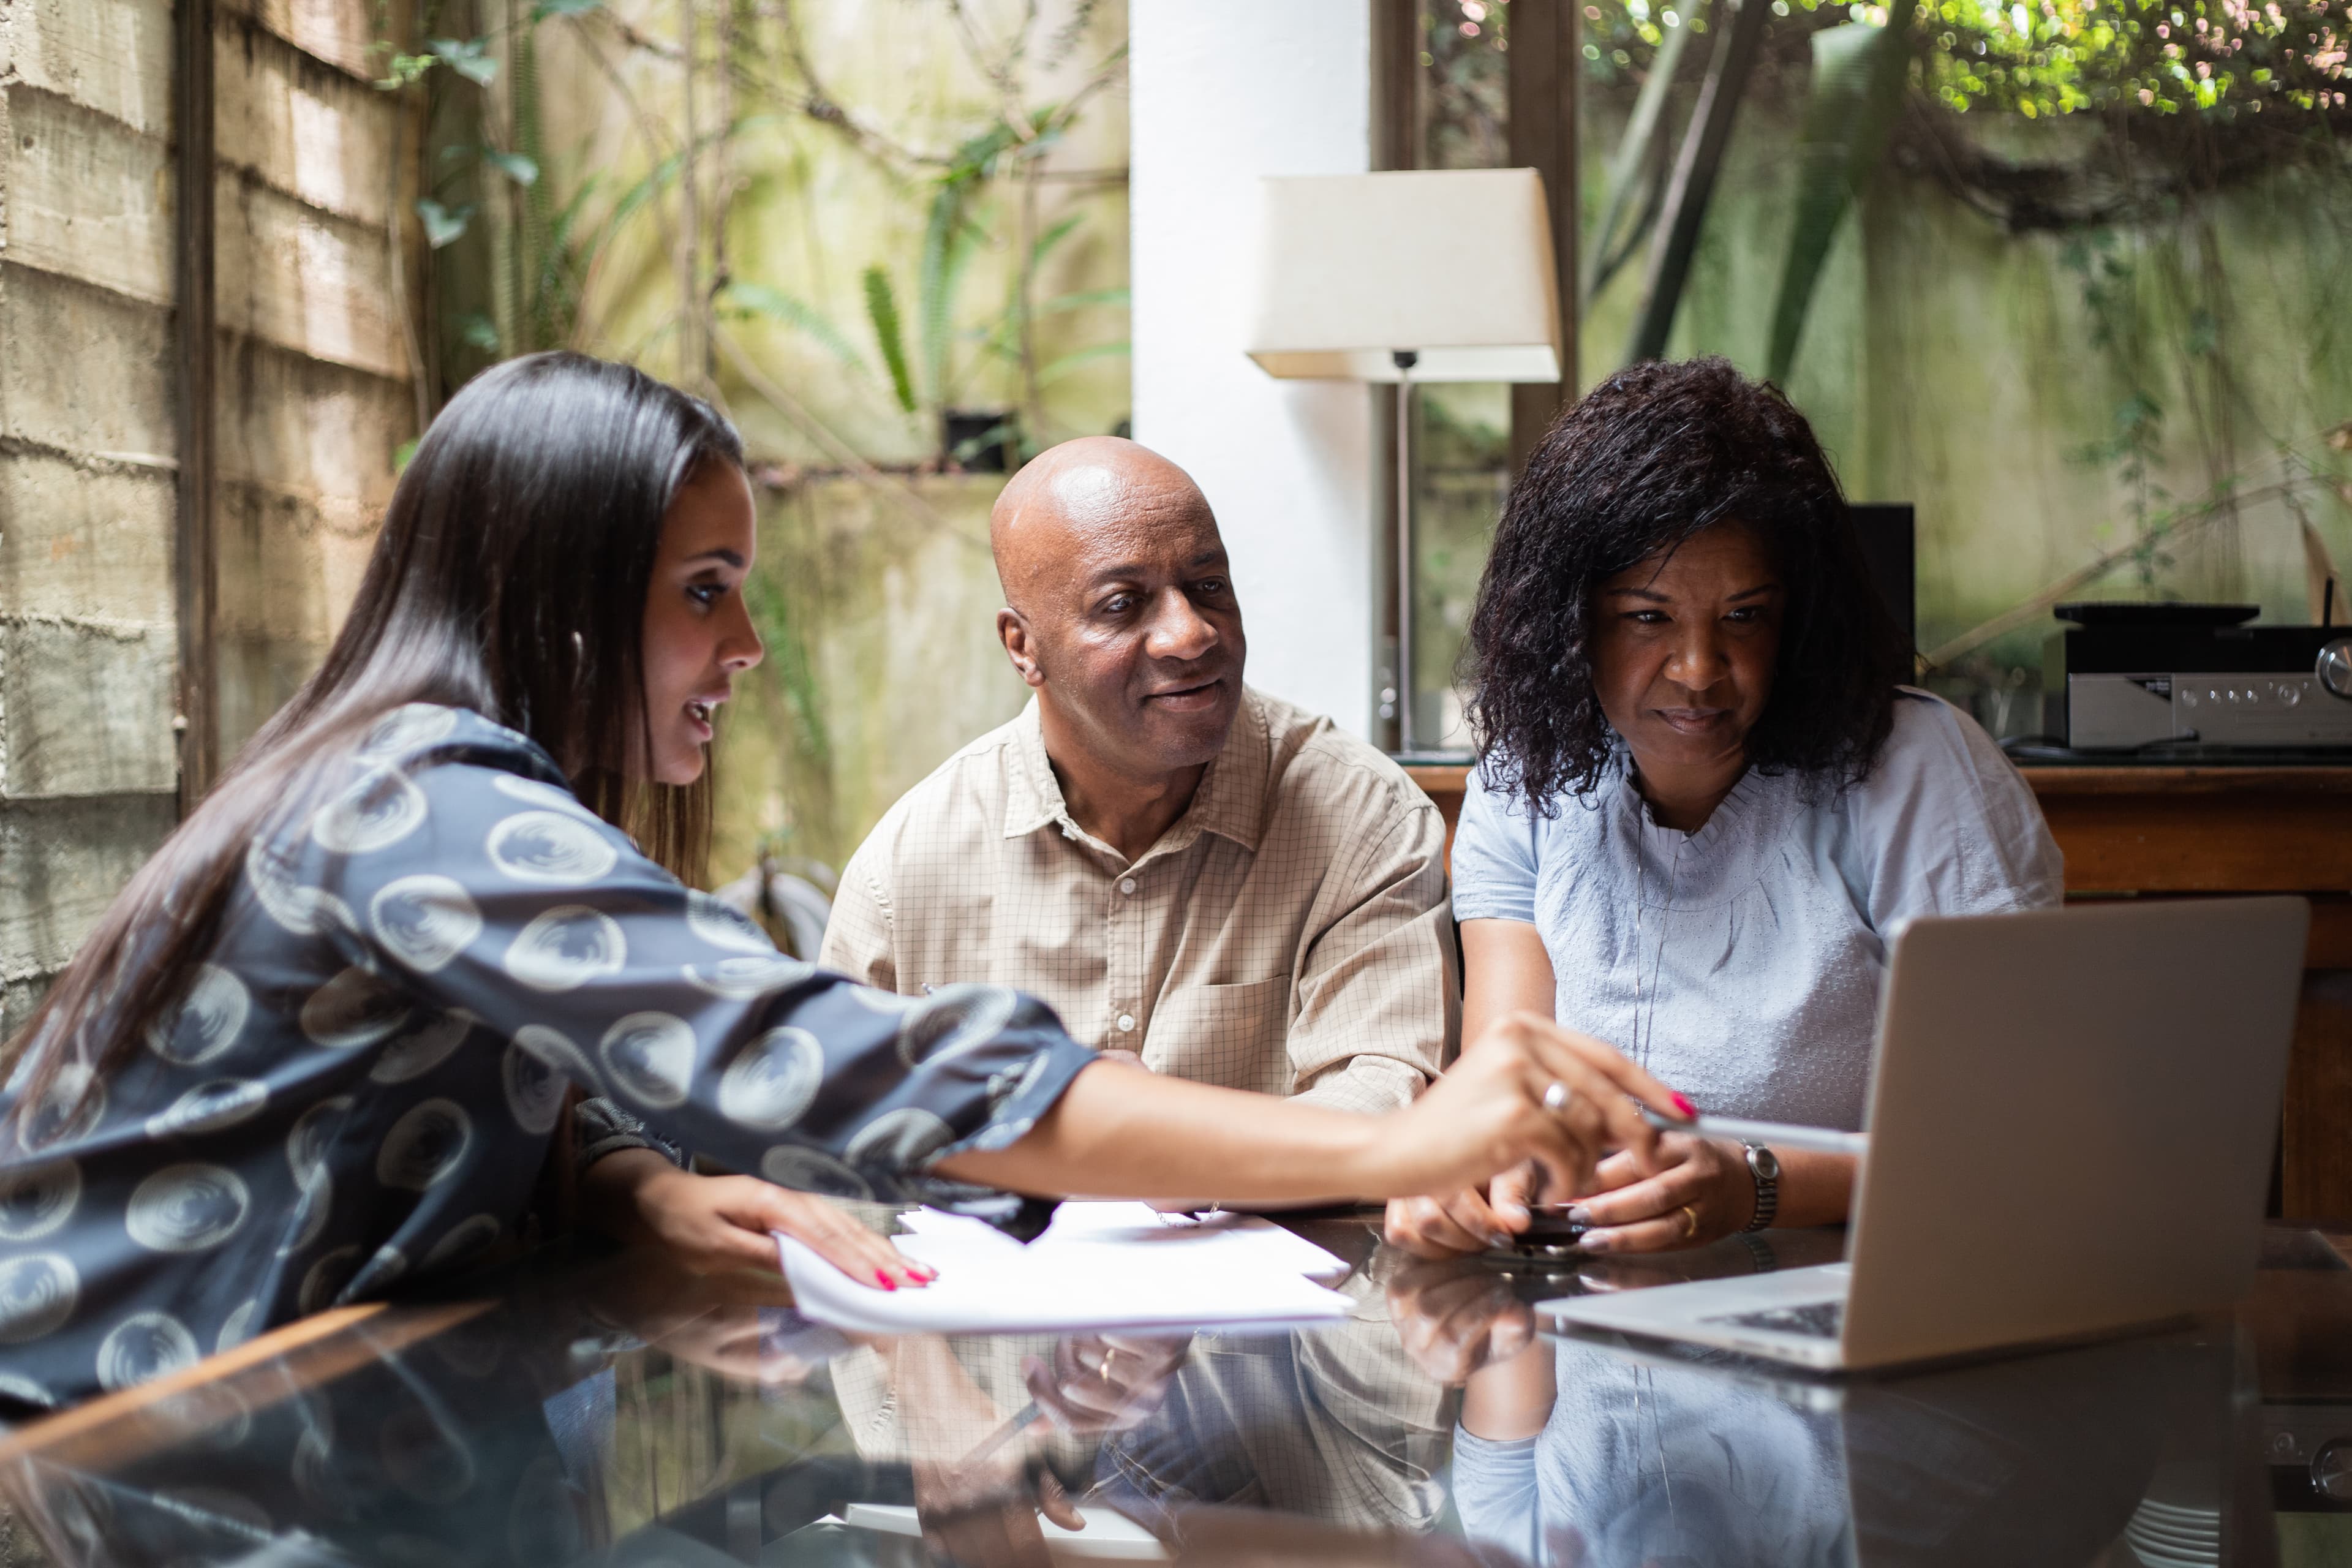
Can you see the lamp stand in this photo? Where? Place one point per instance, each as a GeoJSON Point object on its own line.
{"type": "Point", "coordinates": [1405, 359]}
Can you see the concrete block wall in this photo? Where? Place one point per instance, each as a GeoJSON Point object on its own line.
{"type": "Point", "coordinates": [314, 381]}
{"type": "Point", "coordinates": [314, 396]}
{"type": "Point", "coordinates": [88, 644]}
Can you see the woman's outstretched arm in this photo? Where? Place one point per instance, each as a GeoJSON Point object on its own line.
{"type": "Point", "coordinates": [1117, 1132]}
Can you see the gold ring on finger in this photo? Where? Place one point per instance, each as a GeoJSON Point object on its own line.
{"type": "Point", "coordinates": [1102, 1368]}
{"type": "Point", "coordinates": [1690, 1222]}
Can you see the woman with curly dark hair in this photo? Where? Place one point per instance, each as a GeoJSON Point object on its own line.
{"type": "Point", "coordinates": [1704, 797]}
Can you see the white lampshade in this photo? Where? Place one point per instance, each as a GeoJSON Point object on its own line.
{"type": "Point", "coordinates": [1454, 264]}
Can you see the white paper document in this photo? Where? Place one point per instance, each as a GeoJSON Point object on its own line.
{"type": "Point", "coordinates": [1098, 1266]}
{"type": "Point", "coordinates": [1106, 1534]}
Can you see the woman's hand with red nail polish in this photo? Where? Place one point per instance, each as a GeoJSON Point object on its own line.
{"type": "Point", "coordinates": [711, 1223]}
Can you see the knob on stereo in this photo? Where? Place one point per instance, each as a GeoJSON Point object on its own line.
{"type": "Point", "coordinates": [2335, 668]}
{"type": "Point", "coordinates": [2331, 1470]}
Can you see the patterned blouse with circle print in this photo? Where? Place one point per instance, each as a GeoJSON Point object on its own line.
{"type": "Point", "coordinates": [362, 1082]}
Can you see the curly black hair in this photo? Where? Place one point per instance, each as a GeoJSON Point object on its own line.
{"type": "Point", "coordinates": [1651, 456]}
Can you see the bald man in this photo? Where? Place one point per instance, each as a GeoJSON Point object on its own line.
{"type": "Point", "coordinates": [1187, 870]}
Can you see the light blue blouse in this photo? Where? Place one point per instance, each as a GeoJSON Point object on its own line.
{"type": "Point", "coordinates": [1644, 1465]}
{"type": "Point", "coordinates": [1741, 964]}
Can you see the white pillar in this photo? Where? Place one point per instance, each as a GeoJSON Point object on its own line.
{"type": "Point", "coordinates": [1225, 91]}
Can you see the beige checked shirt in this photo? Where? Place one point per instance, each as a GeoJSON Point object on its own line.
{"type": "Point", "coordinates": [1288, 934]}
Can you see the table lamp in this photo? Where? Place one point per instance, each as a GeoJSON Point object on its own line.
{"type": "Point", "coordinates": [1422, 275]}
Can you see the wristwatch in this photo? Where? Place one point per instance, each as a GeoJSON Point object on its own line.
{"type": "Point", "coordinates": [1764, 1168]}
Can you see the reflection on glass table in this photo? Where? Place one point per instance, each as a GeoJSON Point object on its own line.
{"type": "Point", "coordinates": [584, 1407]}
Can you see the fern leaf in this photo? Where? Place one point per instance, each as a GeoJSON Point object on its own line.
{"type": "Point", "coordinates": [882, 311]}
{"type": "Point", "coordinates": [1055, 370]}
{"type": "Point", "coordinates": [759, 299]}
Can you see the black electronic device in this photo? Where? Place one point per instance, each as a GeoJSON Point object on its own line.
{"type": "Point", "coordinates": [1550, 1236]}
{"type": "Point", "coordinates": [2131, 676]}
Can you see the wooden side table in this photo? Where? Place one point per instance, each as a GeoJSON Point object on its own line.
{"type": "Point", "coordinates": [2167, 832]}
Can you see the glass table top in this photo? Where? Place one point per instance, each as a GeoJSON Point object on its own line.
{"type": "Point", "coordinates": [583, 1406]}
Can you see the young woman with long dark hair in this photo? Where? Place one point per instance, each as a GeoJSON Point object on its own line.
{"type": "Point", "coordinates": [319, 1045]}
{"type": "Point", "coordinates": [1705, 796]}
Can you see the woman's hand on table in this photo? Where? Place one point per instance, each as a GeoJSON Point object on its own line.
{"type": "Point", "coordinates": [1505, 1075]}
{"type": "Point", "coordinates": [1700, 1191]}
{"type": "Point", "coordinates": [1489, 1112]}
{"type": "Point", "coordinates": [709, 1224]}
{"type": "Point", "coordinates": [1625, 1208]}
{"type": "Point", "coordinates": [1476, 1219]}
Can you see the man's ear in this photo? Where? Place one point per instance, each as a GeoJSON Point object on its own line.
{"type": "Point", "coordinates": [1014, 633]}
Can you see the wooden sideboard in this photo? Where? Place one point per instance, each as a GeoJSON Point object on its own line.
{"type": "Point", "coordinates": [2182, 832]}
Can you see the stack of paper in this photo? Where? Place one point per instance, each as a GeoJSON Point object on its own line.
{"type": "Point", "coordinates": [1098, 1266]}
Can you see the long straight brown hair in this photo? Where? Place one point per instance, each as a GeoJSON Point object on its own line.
{"type": "Point", "coordinates": [511, 577]}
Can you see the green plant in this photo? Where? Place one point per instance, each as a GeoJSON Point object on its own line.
{"type": "Point", "coordinates": [950, 237]}
{"type": "Point", "coordinates": [746, 301]}
{"type": "Point", "coordinates": [2219, 58]}
{"type": "Point", "coordinates": [481, 166]}
{"type": "Point", "coordinates": [1858, 73]}
{"type": "Point", "coordinates": [954, 230]}
{"type": "Point", "coordinates": [2108, 275]}
{"type": "Point", "coordinates": [889, 336]}
{"type": "Point", "coordinates": [521, 234]}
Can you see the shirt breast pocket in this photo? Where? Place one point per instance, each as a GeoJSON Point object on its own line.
{"type": "Point", "coordinates": [1235, 1036]}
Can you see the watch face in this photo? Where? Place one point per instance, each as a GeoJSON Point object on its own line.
{"type": "Point", "coordinates": [1764, 1163]}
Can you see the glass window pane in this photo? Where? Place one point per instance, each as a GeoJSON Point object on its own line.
{"type": "Point", "coordinates": [1461, 443]}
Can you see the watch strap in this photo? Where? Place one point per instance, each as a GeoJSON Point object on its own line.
{"type": "Point", "coordinates": [1768, 1190]}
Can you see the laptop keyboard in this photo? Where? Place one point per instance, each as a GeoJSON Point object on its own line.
{"type": "Point", "coordinates": [1815, 1319]}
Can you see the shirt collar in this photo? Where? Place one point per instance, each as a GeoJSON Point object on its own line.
{"type": "Point", "coordinates": [1032, 797]}
{"type": "Point", "coordinates": [1229, 803]}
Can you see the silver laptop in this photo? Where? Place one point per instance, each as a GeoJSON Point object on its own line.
{"type": "Point", "coordinates": [2072, 1119]}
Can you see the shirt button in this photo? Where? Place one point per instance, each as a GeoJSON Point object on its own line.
{"type": "Point", "coordinates": [1126, 1023]}
{"type": "Point", "coordinates": [1127, 884]}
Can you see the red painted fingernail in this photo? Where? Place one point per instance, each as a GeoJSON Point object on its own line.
{"type": "Point", "coordinates": [1686, 1108]}
{"type": "Point", "coordinates": [885, 1280]}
